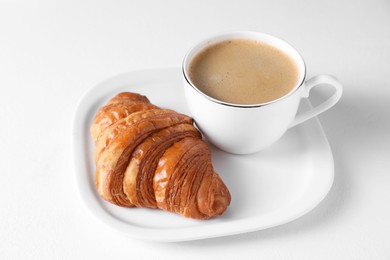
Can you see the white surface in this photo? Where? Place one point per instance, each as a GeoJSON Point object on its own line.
{"type": "Point", "coordinates": [52, 52]}
{"type": "Point", "coordinates": [268, 189]}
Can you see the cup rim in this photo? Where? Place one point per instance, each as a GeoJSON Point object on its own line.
{"type": "Point", "coordinates": [244, 34]}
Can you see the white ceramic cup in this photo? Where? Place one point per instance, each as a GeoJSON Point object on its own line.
{"type": "Point", "coordinates": [245, 129]}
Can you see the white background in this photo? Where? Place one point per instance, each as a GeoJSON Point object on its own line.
{"type": "Point", "coordinates": [52, 52]}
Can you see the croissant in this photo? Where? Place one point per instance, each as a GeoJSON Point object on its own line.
{"type": "Point", "coordinates": [154, 158]}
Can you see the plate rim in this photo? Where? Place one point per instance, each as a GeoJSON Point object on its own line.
{"type": "Point", "coordinates": [179, 234]}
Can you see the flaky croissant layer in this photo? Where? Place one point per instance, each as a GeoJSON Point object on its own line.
{"type": "Point", "coordinates": [154, 158]}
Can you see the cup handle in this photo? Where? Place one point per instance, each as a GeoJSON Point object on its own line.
{"type": "Point", "coordinates": [331, 101]}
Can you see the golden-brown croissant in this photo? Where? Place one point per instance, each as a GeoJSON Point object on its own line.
{"type": "Point", "coordinates": [155, 158]}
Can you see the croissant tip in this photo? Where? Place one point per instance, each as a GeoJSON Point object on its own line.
{"type": "Point", "coordinates": [219, 206]}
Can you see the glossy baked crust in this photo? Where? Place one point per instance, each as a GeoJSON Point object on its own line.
{"type": "Point", "coordinates": [155, 158]}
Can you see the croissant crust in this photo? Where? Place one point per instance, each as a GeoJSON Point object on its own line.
{"type": "Point", "coordinates": [155, 158]}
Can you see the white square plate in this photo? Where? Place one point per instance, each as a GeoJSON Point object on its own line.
{"type": "Point", "coordinates": [268, 188]}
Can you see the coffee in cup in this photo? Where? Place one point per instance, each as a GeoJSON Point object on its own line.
{"type": "Point", "coordinates": [243, 71]}
{"type": "Point", "coordinates": [244, 88]}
